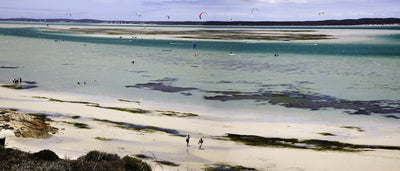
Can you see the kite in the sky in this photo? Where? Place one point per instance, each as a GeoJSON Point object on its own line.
{"type": "Point", "coordinates": [167, 16]}
{"type": "Point", "coordinates": [254, 9]}
{"type": "Point", "coordinates": [201, 14]}
{"type": "Point", "coordinates": [194, 44]}
{"type": "Point", "coordinates": [321, 13]}
{"type": "Point", "coordinates": [138, 14]}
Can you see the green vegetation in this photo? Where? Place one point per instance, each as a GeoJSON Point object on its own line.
{"type": "Point", "coordinates": [39, 97]}
{"type": "Point", "coordinates": [78, 125]}
{"type": "Point", "coordinates": [134, 127]}
{"type": "Point", "coordinates": [13, 86]}
{"type": "Point", "coordinates": [135, 164]}
{"type": "Point", "coordinates": [312, 144]}
{"type": "Point", "coordinates": [353, 127]}
{"type": "Point", "coordinates": [75, 117]}
{"type": "Point", "coordinates": [39, 115]}
{"type": "Point", "coordinates": [79, 102]}
{"type": "Point", "coordinates": [123, 100]}
{"type": "Point", "coordinates": [168, 163]}
{"type": "Point", "coordinates": [176, 114]}
{"type": "Point", "coordinates": [326, 134]}
{"type": "Point", "coordinates": [131, 110]}
{"type": "Point", "coordinates": [11, 159]}
{"type": "Point", "coordinates": [102, 139]}
{"type": "Point", "coordinates": [226, 167]}
{"type": "Point", "coordinates": [142, 156]}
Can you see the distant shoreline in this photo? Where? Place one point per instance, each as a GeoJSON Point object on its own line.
{"type": "Point", "coordinates": [346, 22]}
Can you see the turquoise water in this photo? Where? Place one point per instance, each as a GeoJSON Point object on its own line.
{"type": "Point", "coordinates": [166, 71]}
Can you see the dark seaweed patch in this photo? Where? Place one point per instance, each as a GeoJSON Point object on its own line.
{"type": "Point", "coordinates": [392, 116]}
{"type": "Point", "coordinates": [19, 86]}
{"type": "Point", "coordinates": [168, 163]}
{"type": "Point", "coordinates": [161, 87]}
{"type": "Point", "coordinates": [353, 127]}
{"type": "Point", "coordinates": [135, 127]}
{"type": "Point", "coordinates": [226, 167]}
{"type": "Point", "coordinates": [9, 67]}
{"type": "Point", "coordinates": [166, 79]}
{"type": "Point", "coordinates": [312, 144]}
{"type": "Point", "coordinates": [313, 102]}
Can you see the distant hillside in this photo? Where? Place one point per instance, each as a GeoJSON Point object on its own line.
{"type": "Point", "coordinates": [362, 21]}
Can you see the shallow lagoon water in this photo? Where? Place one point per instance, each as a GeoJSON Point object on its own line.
{"type": "Point", "coordinates": [58, 61]}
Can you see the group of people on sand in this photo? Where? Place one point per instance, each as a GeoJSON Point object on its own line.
{"type": "Point", "coordinates": [17, 80]}
{"type": "Point", "coordinates": [200, 143]}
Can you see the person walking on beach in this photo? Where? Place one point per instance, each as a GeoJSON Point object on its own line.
{"type": "Point", "coordinates": [200, 143]}
{"type": "Point", "coordinates": [187, 139]}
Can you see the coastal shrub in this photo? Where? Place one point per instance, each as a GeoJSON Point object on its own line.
{"type": "Point", "coordinates": [13, 159]}
{"type": "Point", "coordinates": [75, 117]}
{"type": "Point", "coordinates": [81, 125]}
{"type": "Point", "coordinates": [96, 160]}
{"type": "Point", "coordinates": [46, 155]}
{"type": "Point", "coordinates": [135, 164]}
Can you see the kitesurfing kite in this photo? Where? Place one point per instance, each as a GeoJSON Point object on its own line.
{"type": "Point", "coordinates": [229, 19]}
{"type": "Point", "coordinates": [167, 16]}
{"type": "Point", "coordinates": [321, 13]}
{"type": "Point", "coordinates": [254, 9]}
{"type": "Point", "coordinates": [194, 44]}
{"type": "Point", "coordinates": [138, 14]}
{"type": "Point", "coordinates": [201, 14]}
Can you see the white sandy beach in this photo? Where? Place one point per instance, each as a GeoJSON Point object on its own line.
{"type": "Point", "coordinates": [72, 142]}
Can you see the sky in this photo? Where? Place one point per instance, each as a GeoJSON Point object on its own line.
{"type": "Point", "coordinates": [189, 10]}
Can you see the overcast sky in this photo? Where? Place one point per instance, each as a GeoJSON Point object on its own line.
{"type": "Point", "coordinates": [188, 10]}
